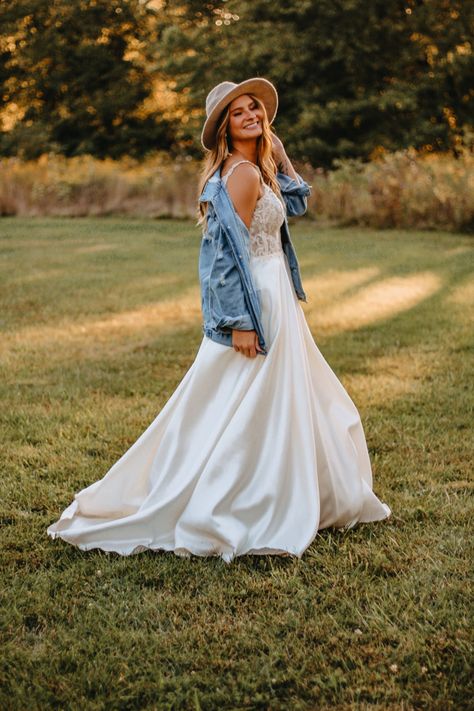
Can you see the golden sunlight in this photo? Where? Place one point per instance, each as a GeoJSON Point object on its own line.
{"type": "Point", "coordinates": [378, 301]}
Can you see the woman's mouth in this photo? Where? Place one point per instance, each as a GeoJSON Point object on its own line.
{"type": "Point", "coordinates": [251, 126]}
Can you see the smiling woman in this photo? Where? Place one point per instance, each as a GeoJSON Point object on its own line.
{"type": "Point", "coordinates": [259, 446]}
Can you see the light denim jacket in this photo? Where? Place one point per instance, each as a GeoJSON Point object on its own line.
{"type": "Point", "coordinates": [229, 298]}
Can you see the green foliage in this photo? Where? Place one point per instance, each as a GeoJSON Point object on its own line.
{"type": "Point", "coordinates": [374, 618]}
{"type": "Point", "coordinates": [352, 75]}
{"type": "Point", "coordinates": [65, 66]}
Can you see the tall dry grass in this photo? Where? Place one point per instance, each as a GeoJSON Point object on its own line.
{"type": "Point", "coordinates": [403, 189]}
{"type": "Point", "coordinates": [85, 186]}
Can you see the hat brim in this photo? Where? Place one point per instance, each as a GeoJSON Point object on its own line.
{"type": "Point", "coordinates": [261, 88]}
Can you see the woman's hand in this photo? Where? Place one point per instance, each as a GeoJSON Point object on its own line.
{"type": "Point", "coordinates": [245, 342]}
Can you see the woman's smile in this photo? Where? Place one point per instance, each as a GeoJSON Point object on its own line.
{"type": "Point", "coordinates": [245, 118]}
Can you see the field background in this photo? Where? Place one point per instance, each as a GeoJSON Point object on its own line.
{"type": "Point", "coordinates": [100, 320]}
{"type": "Point", "coordinates": [405, 189]}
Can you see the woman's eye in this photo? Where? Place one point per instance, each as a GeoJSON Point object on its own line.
{"type": "Point", "coordinates": [239, 113]}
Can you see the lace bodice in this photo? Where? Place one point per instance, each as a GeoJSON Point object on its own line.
{"type": "Point", "coordinates": [268, 216]}
{"type": "Point", "coordinates": [267, 219]}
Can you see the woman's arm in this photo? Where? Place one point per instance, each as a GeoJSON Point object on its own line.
{"type": "Point", "coordinates": [281, 159]}
{"type": "Point", "coordinates": [243, 189]}
{"type": "Point", "coordinates": [294, 189]}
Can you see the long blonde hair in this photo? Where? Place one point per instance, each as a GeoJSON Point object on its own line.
{"type": "Point", "coordinates": [217, 155]}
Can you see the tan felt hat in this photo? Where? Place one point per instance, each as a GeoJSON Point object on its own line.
{"type": "Point", "coordinates": [225, 92]}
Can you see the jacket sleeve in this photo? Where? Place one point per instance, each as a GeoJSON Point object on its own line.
{"type": "Point", "coordinates": [294, 194]}
{"type": "Point", "coordinates": [223, 292]}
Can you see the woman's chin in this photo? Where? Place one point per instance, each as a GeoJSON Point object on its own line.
{"type": "Point", "coordinates": [251, 135]}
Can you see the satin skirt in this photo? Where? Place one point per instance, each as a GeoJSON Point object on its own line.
{"type": "Point", "coordinates": [248, 456]}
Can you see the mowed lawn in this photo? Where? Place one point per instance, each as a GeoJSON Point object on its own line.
{"type": "Point", "coordinates": [100, 319]}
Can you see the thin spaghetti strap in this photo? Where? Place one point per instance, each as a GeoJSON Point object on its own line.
{"type": "Point", "coordinates": [239, 162]}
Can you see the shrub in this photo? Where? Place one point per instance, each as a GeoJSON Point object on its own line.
{"type": "Point", "coordinates": [403, 189]}
{"type": "Point", "coordinates": [83, 185]}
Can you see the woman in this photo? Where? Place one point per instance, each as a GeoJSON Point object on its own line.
{"type": "Point", "coordinates": [250, 454]}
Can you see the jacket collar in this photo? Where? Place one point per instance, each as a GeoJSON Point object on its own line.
{"type": "Point", "coordinates": [211, 187]}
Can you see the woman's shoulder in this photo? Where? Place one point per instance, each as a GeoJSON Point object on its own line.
{"type": "Point", "coordinates": [245, 169]}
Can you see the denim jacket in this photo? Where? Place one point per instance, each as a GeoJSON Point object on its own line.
{"type": "Point", "coordinates": [229, 298]}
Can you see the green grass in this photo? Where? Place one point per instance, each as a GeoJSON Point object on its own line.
{"type": "Point", "coordinates": [100, 321]}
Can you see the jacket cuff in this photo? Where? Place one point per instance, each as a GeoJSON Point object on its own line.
{"type": "Point", "coordinates": [240, 323]}
{"type": "Point", "coordinates": [290, 186]}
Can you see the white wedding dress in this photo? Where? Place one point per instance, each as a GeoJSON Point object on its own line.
{"type": "Point", "coordinates": [249, 455]}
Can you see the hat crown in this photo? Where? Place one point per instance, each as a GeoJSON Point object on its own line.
{"type": "Point", "coordinates": [218, 93]}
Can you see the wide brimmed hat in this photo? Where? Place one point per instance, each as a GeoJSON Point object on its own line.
{"type": "Point", "coordinates": [225, 92]}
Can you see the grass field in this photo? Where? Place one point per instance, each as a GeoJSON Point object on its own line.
{"type": "Point", "coordinates": [100, 320]}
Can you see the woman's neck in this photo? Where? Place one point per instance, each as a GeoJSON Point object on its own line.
{"type": "Point", "coordinates": [246, 149]}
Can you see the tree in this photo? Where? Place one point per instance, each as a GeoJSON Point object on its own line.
{"type": "Point", "coordinates": [76, 74]}
{"type": "Point", "coordinates": [354, 76]}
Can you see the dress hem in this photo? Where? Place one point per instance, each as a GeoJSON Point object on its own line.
{"type": "Point", "coordinates": [228, 556]}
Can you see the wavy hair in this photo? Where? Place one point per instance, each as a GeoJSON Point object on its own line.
{"type": "Point", "coordinates": [217, 155]}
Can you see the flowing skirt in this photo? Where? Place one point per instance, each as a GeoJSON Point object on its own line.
{"type": "Point", "coordinates": [248, 456]}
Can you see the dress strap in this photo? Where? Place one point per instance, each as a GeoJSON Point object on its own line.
{"type": "Point", "coordinates": [239, 162]}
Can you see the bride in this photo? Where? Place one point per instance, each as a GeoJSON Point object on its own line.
{"type": "Point", "coordinates": [259, 446]}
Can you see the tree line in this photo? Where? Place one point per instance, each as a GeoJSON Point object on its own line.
{"type": "Point", "coordinates": [112, 78]}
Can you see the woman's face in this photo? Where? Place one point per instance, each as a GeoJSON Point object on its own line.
{"type": "Point", "coordinates": [245, 119]}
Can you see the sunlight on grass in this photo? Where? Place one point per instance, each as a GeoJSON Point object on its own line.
{"type": "Point", "coordinates": [96, 341]}
{"type": "Point", "coordinates": [375, 302]}
{"type": "Point", "coordinates": [391, 377]}
{"type": "Point", "coordinates": [91, 249]}
{"type": "Point", "coordinates": [333, 283]}
{"type": "Point", "coordinates": [463, 294]}
{"type": "Point", "coordinates": [90, 335]}
{"type": "Point", "coordinates": [38, 275]}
